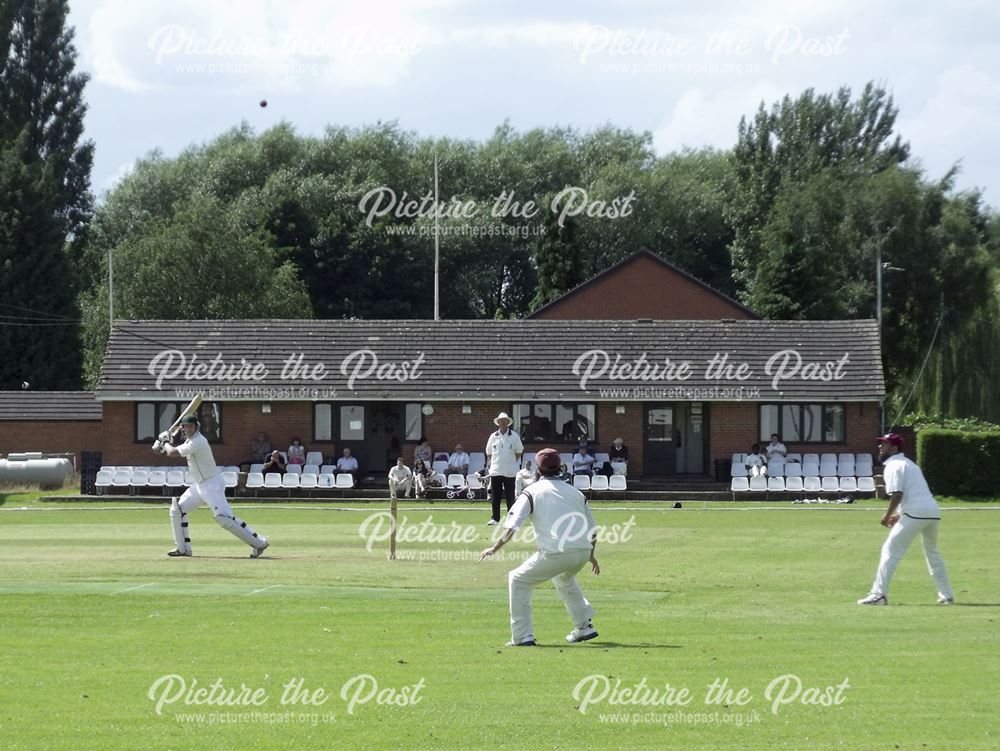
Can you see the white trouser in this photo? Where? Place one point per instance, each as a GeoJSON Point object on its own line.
{"type": "Point", "coordinates": [562, 569]}
{"type": "Point", "coordinates": [399, 488]}
{"type": "Point", "coordinates": [211, 492]}
{"type": "Point", "coordinates": [898, 542]}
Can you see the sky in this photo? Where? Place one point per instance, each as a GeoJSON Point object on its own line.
{"type": "Point", "coordinates": [170, 73]}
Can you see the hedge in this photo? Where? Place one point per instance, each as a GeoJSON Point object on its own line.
{"type": "Point", "coordinates": [959, 463]}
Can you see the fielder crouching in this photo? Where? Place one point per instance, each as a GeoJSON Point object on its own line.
{"type": "Point", "coordinates": [566, 536]}
{"type": "Point", "coordinates": [207, 487]}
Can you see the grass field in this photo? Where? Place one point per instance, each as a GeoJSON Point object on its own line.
{"type": "Point", "coordinates": [94, 621]}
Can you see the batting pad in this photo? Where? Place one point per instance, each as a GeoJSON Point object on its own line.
{"type": "Point", "coordinates": [179, 522]}
{"type": "Point", "coordinates": [240, 529]}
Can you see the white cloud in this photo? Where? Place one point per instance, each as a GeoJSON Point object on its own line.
{"type": "Point", "coordinates": [709, 118]}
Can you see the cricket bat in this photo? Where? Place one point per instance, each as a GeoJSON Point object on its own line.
{"type": "Point", "coordinates": [190, 409]}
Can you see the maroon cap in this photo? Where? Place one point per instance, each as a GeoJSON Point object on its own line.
{"type": "Point", "coordinates": [547, 460]}
{"type": "Point", "coordinates": [894, 438]}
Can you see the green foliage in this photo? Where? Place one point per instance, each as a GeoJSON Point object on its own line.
{"type": "Point", "coordinates": [922, 421]}
{"type": "Point", "coordinates": [45, 203]}
{"type": "Point", "coordinates": [960, 463]}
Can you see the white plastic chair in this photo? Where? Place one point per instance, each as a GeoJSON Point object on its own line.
{"type": "Point", "coordinates": [758, 484]}
{"type": "Point", "coordinates": [599, 482]}
{"type": "Point", "coordinates": [866, 484]}
{"type": "Point", "coordinates": [846, 469]}
{"type": "Point", "coordinates": [793, 484]}
{"type": "Point", "coordinates": [257, 467]}
{"type": "Point", "coordinates": [738, 470]}
{"type": "Point", "coordinates": [310, 469]}
{"type": "Point", "coordinates": [328, 469]}
{"type": "Point", "coordinates": [308, 480]}
{"type": "Point", "coordinates": [776, 469]}
{"type": "Point", "coordinates": [440, 467]}
{"type": "Point", "coordinates": [776, 484]}
{"type": "Point", "coordinates": [293, 469]}
{"type": "Point", "coordinates": [863, 470]}
{"type": "Point", "coordinates": [139, 478]}
{"type": "Point", "coordinates": [455, 480]}
{"type": "Point", "coordinates": [255, 480]}
{"type": "Point", "coordinates": [104, 478]}
{"type": "Point", "coordinates": [344, 480]}
{"type": "Point", "coordinates": [231, 479]}
{"type": "Point", "coordinates": [566, 459]}
{"type": "Point", "coordinates": [314, 457]}
{"type": "Point", "coordinates": [601, 459]}
{"type": "Point", "coordinates": [188, 480]}
{"type": "Point", "coordinates": [828, 458]}
{"type": "Point", "coordinates": [848, 485]}
{"type": "Point", "coordinates": [175, 478]}
{"type": "Point", "coordinates": [617, 482]}
{"type": "Point", "coordinates": [475, 482]}
{"type": "Point", "coordinates": [793, 470]}
{"type": "Point", "coordinates": [738, 458]}
{"type": "Point", "coordinates": [830, 485]}
{"type": "Point", "coordinates": [809, 469]}
{"type": "Point", "coordinates": [810, 458]}
{"type": "Point", "coordinates": [122, 478]}
{"type": "Point", "coordinates": [581, 482]}
{"type": "Point", "coordinates": [811, 484]}
{"type": "Point", "coordinates": [739, 485]}
{"type": "Point", "coordinates": [477, 460]}
{"type": "Point", "coordinates": [793, 458]}
{"type": "Point", "coordinates": [290, 481]}
{"type": "Point", "coordinates": [619, 468]}
{"type": "Point", "coordinates": [844, 456]}
{"type": "Point", "coordinates": [326, 481]}
{"type": "Point", "coordinates": [272, 480]}
{"type": "Point", "coordinates": [828, 470]}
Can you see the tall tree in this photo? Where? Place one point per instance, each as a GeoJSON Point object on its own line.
{"type": "Point", "coordinates": [45, 200]}
{"type": "Point", "coordinates": [793, 141]}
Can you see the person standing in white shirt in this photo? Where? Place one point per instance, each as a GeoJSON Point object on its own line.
{"type": "Point", "coordinates": [918, 513]}
{"type": "Point", "coordinates": [207, 487]}
{"type": "Point", "coordinates": [566, 534]}
{"type": "Point", "coordinates": [503, 455]}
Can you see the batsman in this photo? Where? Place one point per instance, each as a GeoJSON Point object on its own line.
{"type": "Point", "coordinates": [207, 487]}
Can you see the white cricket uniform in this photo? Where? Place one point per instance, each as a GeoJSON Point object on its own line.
{"type": "Point", "coordinates": [564, 528]}
{"type": "Point", "coordinates": [919, 514]}
{"type": "Point", "coordinates": [400, 479]}
{"type": "Point", "coordinates": [776, 452]}
{"type": "Point", "coordinates": [502, 450]}
{"type": "Point", "coordinates": [207, 487]}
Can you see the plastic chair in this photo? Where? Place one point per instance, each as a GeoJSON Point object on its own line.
{"type": "Point", "coordinates": [272, 480]}
{"type": "Point", "coordinates": [739, 485]}
{"type": "Point", "coordinates": [830, 485]}
{"type": "Point", "coordinates": [866, 484]}
{"type": "Point", "coordinates": [314, 457]}
{"type": "Point", "coordinates": [617, 482]}
{"type": "Point", "coordinates": [293, 469]}
{"type": "Point", "coordinates": [793, 484]}
{"type": "Point", "coordinates": [776, 484]}
{"type": "Point", "coordinates": [848, 485]}
{"type": "Point", "coordinates": [811, 484]}
{"type": "Point", "coordinates": [599, 482]}
{"type": "Point", "coordinates": [308, 480]}
{"type": "Point", "coordinates": [455, 480]}
{"type": "Point", "coordinates": [581, 482]}
{"type": "Point", "coordinates": [344, 480]}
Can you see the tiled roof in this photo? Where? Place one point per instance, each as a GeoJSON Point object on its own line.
{"type": "Point", "coordinates": [49, 405]}
{"type": "Point", "coordinates": [611, 271]}
{"type": "Point", "coordinates": [470, 360]}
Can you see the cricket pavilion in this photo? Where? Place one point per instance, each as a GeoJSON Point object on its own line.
{"type": "Point", "coordinates": [683, 374]}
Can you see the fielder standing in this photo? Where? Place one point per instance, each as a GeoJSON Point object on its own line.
{"type": "Point", "coordinates": [207, 487]}
{"type": "Point", "coordinates": [918, 514]}
{"type": "Point", "coordinates": [566, 536]}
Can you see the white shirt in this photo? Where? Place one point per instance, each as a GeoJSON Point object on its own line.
{"type": "Point", "coordinates": [198, 453]}
{"type": "Point", "coordinates": [347, 464]}
{"type": "Point", "coordinates": [776, 449]}
{"type": "Point", "coordinates": [561, 517]}
{"type": "Point", "coordinates": [525, 477]}
{"type": "Point", "coordinates": [459, 459]}
{"type": "Point", "coordinates": [582, 462]}
{"type": "Point", "coordinates": [754, 460]}
{"type": "Point", "coordinates": [399, 474]}
{"type": "Point", "coordinates": [502, 451]}
{"type": "Point", "coordinates": [904, 476]}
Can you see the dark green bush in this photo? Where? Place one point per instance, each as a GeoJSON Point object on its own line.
{"type": "Point", "coordinates": [960, 463]}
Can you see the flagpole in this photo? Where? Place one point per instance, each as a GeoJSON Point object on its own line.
{"type": "Point", "coordinates": [437, 245]}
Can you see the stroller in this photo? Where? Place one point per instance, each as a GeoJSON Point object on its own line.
{"type": "Point", "coordinates": [473, 485]}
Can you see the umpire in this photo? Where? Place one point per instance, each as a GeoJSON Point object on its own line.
{"type": "Point", "coordinates": [503, 457]}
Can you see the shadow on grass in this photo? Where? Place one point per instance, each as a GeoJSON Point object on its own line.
{"type": "Point", "coordinates": [611, 645]}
